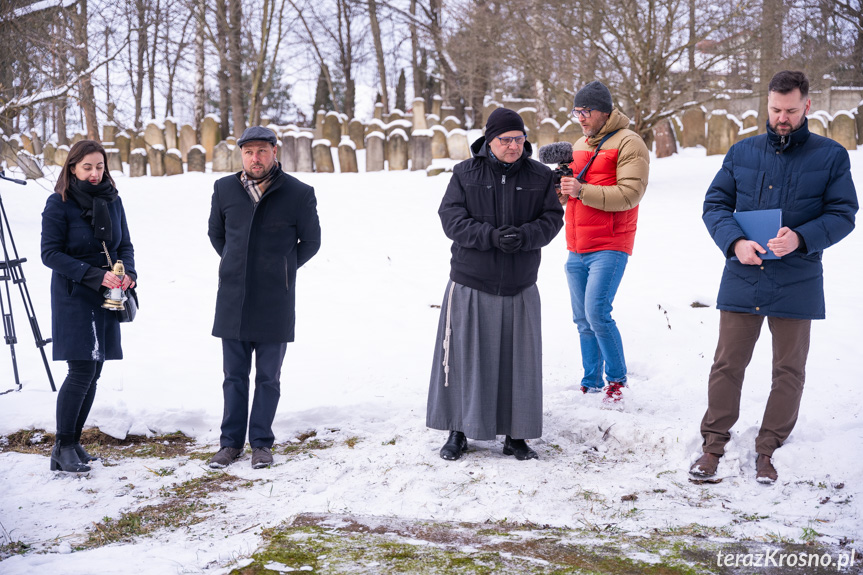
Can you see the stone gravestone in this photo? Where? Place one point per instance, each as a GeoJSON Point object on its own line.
{"type": "Point", "coordinates": [288, 152]}
{"type": "Point", "coordinates": [323, 157]}
{"type": "Point", "coordinates": [357, 132]}
{"type": "Point", "coordinates": [10, 151]}
{"type": "Point", "coordinates": [843, 129]}
{"type": "Point", "coordinates": [78, 137]}
{"type": "Point", "coordinates": [60, 155]}
{"type": "Point", "coordinates": [109, 132]}
{"type": "Point", "coordinates": [154, 136]}
{"type": "Point", "coordinates": [694, 121]}
{"type": "Point", "coordinates": [48, 154]}
{"type": "Point", "coordinates": [488, 109]}
{"type": "Point", "coordinates": [188, 138]}
{"type": "Point", "coordinates": [305, 161]}
{"type": "Point", "coordinates": [124, 144]}
{"type": "Point", "coordinates": [749, 119]}
{"type": "Point", "coordinates": [438, 144]}
{"type": "Point", "coordinates": [37, 142]}
{"type": "Point", "coordinates": [456, 143]}
{"type": "Point", "coordinates": [397, 150]}
{"type": "Point", "coordinates": [379, 111]}
{"type": "Point", "coordinates": [347, 156]}
{"type": "Point", "coordinates": [818, 124]}
{"type": "Point", "coordinates": [570, 132]}
{"type": "Point", "coordinates": [28, 164]}
{"type": "Point", "coordinates": [421, 155]}
{"type": "Point", "coordinates": [171, 139]}
{"type": "Point", "coordinates": [222, 157]}
{"type": "Point", "coordinates": [196, 159]}
{"type": "Point", "coordinates": [437, 102]}
{"type": "Point", "coordinates": [236, 158]}
{"type": "Point", "coordinates": [548, 129]}
{"type": "Point", "coordinates": [663, 136]}
{"type": "Point", "coordinates": [528, 116]}
{"type": "Point", "coordinates": [156, 158]}
{"type": "Point", "coordinates": [419, 112]}
{"type": "Point", "coordinates": [138, 141]}
{"type": "Point", "coordinates": [451, 123]}
{"type": "Point", "coordinates": [332, 128]}
{"type": "Point", "coordinates": [115, 164]}
{"type": "Point", "coordinates": [137, 163]}
{"type": "Point", "coordinates": [210, 134]}
{"type": "Point", "coordinates": [375, 152]}
{"type": "Point", "coordinates": [26, 144]}
{"type": "Point", "coordinates": [721, 133]}
{"type": "Point", "coordinates": [173, 162]}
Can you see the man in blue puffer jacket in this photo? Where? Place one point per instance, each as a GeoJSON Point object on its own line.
{"type": "Point", "coordinates": [808, 177]}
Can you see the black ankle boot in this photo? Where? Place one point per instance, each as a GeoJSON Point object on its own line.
{"type": "Point", "coordinates": [83, 455]}
{"type": "Point", "coordinates": [454, 446]}
{"type": "Point", "coordinates": [65, 459]}
{"type": "Point", "coordinates": [519, 448]}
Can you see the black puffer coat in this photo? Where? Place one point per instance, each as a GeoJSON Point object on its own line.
{"type": "Point", "coordinates": [482, 196]}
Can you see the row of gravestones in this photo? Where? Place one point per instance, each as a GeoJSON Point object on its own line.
{"type": "Point", "coordinates": [717, 131]}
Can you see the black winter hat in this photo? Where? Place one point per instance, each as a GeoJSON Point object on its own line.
{"type": "Point", "coordinates": [594, 96]}
{"type": "Point", "coordinates": [257, 134]}
{"type": "Point", "coordinates": [502, 120]}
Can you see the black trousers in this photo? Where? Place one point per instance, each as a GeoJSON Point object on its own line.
{"type": "Point", "coordinates": [237, 365]}
{"type": "Point", "coordinates": [75, 399]}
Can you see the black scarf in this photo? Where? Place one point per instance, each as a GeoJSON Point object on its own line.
{"type": "Point", "coordinates": [94, 200]}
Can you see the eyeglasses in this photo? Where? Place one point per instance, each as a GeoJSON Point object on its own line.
{"type": "Point", "coordinates": [583, 113]}
{"type": "Point", "coordinates": [508, 141]}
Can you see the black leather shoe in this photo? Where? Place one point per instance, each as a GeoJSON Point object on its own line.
{"type": "Point", "coordinates": [454, 446]}
{"type": "Point", "coordinates": [65, 459]}
{"type": "Point", "coordinates": [519, 448]}
{"type": "Point", "coordinates": [83, 455]}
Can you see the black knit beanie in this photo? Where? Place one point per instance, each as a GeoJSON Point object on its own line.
{"type": "Point", "coordinates": [502, 120]}
{"type": "Point", "coordinates": [594, 96]}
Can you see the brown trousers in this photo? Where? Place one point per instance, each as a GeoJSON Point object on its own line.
{"type": "Point", "coordinates": [738, 333]}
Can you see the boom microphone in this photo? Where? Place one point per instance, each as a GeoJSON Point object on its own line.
{"type": "Point", "coordinates": [556, 153]}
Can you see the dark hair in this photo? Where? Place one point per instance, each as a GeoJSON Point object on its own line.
{"type": "Point", "coordinates": [76, 154]}
{"type": "Point", "coordinates": [786, 80]}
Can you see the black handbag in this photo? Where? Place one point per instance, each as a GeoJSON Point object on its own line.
{"type": "Point", "coordinates": [130, 307]}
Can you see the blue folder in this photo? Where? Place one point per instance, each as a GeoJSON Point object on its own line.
{"type": "Point", "coordinates": [760, 226]}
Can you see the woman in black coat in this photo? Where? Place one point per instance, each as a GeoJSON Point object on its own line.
{"type": "Point", "coordinates": [83, 218]}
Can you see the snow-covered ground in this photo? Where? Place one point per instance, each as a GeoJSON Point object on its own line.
{"type": "Point", "coordinates": [366, 321]}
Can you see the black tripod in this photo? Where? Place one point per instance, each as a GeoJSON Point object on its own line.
{"type": "Point", "coordinates": [10, 269]}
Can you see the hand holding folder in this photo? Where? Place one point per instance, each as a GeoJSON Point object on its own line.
{"type": "Point", "coordinates": [760, 226]}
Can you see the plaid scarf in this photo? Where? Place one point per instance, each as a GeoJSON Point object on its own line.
{"type": "Point", "coordinates": [257, 188]}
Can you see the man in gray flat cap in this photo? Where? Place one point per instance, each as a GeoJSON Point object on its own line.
{"type": "Point", "coordinates": [264, 225]}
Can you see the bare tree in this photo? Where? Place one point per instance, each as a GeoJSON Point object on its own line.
{"type": "Point", "coordinates": [379, 53]}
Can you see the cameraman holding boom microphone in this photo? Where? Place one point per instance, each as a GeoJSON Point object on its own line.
{"type": "Point", "coordinates": [611, 166]}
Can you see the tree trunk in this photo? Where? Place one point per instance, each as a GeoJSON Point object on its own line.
{"type": "Point", "coordinates": [417, 74]}
{"type": "Point", "coordinates": [61, 71]}
{"type": "Point", "coordinates": [87, 99]}
{"type": "Point", "coordinates": [141, 12]}
{"type": "Point", "coordinates": [772, 15]}
{"type": "Point", "coordinates": [222, 49]}
{"type": "Point", "coordinates": [153, 51]}
{"type": "Point", "coordinates": [235, 66]}
{"type": "Point", "coordinates": [200, 71]}
{"type": "Point", "coordinates": [255, 96]}
{"type": "Point", "coordinates": [379, 53]}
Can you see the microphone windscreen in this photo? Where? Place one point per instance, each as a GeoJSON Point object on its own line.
{"type": "Point", "coordinates": [555, 153]}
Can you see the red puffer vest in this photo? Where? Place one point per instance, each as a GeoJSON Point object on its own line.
{"type": "Point", "coordinates": [589, 229]}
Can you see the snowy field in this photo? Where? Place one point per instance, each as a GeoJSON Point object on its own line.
{"type": "Point", "coordinates": [366, 321]}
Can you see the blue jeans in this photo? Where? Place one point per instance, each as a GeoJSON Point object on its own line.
{"type": "Point", "coordinates": [593, 281]}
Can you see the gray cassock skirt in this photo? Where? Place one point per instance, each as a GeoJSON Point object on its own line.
{"type": "Point", "coordinates": [495, 365]}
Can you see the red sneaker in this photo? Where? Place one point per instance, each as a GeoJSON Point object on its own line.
{"type": "Point", "coordinates": [613, 392]}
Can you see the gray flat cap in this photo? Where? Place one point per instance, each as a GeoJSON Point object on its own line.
{"type": "Point", "coordinates": [257, 133]}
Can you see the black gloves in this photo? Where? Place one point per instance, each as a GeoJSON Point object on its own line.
{"type": "Point", "coordinates": [507, 239]}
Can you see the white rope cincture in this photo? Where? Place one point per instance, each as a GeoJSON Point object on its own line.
{"type": "Point", "coordinates": [447, 334]}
